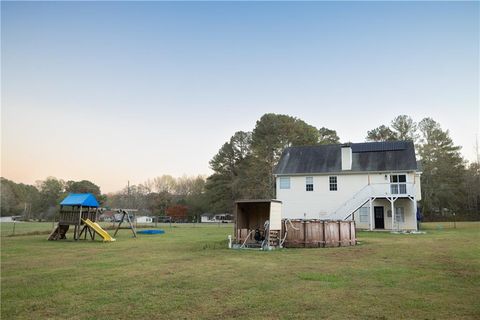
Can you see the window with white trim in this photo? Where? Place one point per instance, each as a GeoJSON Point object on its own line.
{"type": "Point", "coordinates": [309, 183]}
{"type": "Point", "coordinates": [333, 183]}
{"type": "Point", "coordinates": [284, 182]}
{"type": "Point", "coordinates": [398, 184]}
{"type": "Point", "coordinates": [363, 213]}
{"type": "Point", "coordinates": [399, 214]}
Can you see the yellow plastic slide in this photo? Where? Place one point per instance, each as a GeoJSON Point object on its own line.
{"type": "Point", "coordinates": [96, 227]}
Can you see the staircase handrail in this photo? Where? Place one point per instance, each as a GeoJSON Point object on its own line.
{"type": "Point", "coordinates": [353, 202]}
{"type": "Point", "coordinates": [354, 197]}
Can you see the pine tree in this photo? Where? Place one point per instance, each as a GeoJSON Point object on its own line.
{"type": "Point", "coordinates": [443, 170]}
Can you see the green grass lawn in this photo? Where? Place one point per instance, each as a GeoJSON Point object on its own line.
{"type": "Point", "coordinates": [7, 228]}
{"type": "Point", "coordinates": [188, 273]}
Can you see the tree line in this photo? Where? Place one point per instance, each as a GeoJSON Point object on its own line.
{"type": "Point", "coordinates": [181, 197]}
{"type": "Point", "coordinates": [450, 184]}
{"type": "Point", "coordinates": [244, 165]}
{"type": "Point", "coordinates": [41, 200]}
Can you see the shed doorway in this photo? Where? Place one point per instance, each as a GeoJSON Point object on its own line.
{"type": "Point", "coordinates": [258, 223]}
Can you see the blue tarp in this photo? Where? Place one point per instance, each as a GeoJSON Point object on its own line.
{"type": "Point", "coordinates": [80, 199]}
{"type": "Point", "coordinates": [151, 231]}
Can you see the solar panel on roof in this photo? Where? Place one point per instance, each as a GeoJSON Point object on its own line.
{"type": "Point", "coordinates": [379, 146]}
{"type": "Point", "coordinates": [371, 156]}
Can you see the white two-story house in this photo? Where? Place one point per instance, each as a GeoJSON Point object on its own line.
{"type": "Point", "coordinates": [376, 183]}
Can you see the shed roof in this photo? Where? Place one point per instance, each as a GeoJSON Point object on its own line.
{"type": "Point", "coordinates": [366, 157]}
{"type": "Point", "coordinates": [257, 200]}
{"type": "Point", "coordinates": [80, 199]}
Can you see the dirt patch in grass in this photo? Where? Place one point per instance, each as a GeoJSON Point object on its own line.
{"type": "Point", "coordinates": [328, 280]}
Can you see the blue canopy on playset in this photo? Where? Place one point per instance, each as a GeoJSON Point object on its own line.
{"type": "Point", "coordinates": [80, 199]}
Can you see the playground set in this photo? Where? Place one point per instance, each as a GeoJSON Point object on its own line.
{"type": "Point", "coordinates": [81, 210]}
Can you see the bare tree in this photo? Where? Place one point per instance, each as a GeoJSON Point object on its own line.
{"type": "Point", "coordinates": [164, 183]}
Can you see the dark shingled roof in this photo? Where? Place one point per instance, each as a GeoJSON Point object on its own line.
{"type": "Point", "coordinates": [368, 156]}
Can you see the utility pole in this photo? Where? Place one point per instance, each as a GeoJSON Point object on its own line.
{"type": "Point", "coordinates": [129, 201]}
{"type": "Point", "coordinates": [477, 148]}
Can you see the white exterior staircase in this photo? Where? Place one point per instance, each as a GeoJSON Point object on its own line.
{"type": "Point", "coordinates": [371, 191]}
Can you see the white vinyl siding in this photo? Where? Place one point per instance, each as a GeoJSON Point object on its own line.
{"type": "Point", "coordinates": [284, 182]}
{"type": "Point", "coordinates": [297, 203]}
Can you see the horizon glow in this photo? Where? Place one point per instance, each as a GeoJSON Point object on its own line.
{"type": "Point", "coordinates": [126, 91]}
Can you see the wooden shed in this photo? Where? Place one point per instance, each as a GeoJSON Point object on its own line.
{"type": "Point", "coordinates": [258, 223]}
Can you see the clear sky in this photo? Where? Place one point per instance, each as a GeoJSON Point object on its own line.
{"type": "Point", "coordinates": [117, 91]}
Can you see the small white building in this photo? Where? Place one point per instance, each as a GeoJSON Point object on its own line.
{"type": "Point", "coordinates": [206, 217]}
{"type": "Point", "coordinates": [219, 217]}
{"type": "Point", "coordinates": [9, 219]}
{"type": "Point", "coordinates": [366, 182]}
{"type": "Point", "coordinates": [144, 219]}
